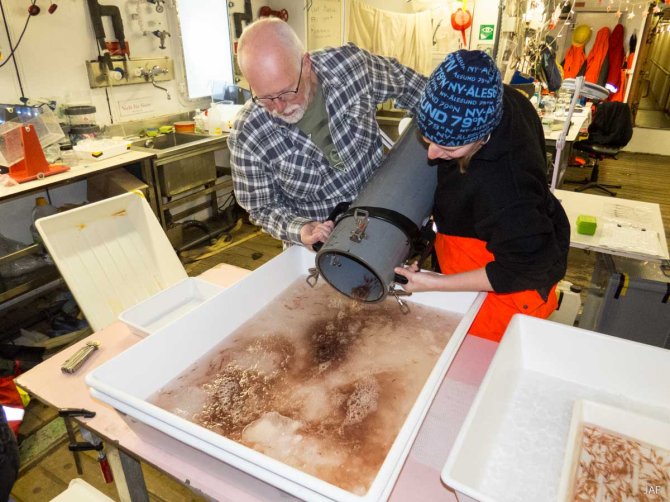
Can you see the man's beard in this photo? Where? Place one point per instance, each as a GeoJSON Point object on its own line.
{"type": "Point", "coordinates": [292, 113]}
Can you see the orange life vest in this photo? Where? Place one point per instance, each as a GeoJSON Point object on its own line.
{"type": "Point", "coordinates": [462, 254]}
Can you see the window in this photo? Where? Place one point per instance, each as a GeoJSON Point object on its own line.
{"type": "Point", "coordinates": [206, 44]}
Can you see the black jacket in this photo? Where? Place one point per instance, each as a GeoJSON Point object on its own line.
{"type": "Point", "coordinates": [612, 125]}
{"type": "Point", "coordinates": [504, 200]}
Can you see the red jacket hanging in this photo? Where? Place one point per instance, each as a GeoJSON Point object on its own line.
{"type": "Point", "coordinates": [597, 57]}
{"type": "Point", "coordinates": [615, 55]}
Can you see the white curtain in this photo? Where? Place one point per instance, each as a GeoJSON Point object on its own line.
{"type": "Point", "coordinates": [406, 37]}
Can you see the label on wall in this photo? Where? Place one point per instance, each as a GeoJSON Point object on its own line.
{"type": "Point", "coordinates": [135, 106]}
{"type": "Point", "coordinates": [486, 31]}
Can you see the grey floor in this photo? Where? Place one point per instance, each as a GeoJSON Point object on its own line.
{"type": "Point", "coordinates": [651, 116]}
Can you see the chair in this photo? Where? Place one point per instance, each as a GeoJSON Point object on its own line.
{"type": "Point", "coordinates": [610, 131]}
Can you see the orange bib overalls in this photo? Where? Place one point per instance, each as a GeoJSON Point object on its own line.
{"type": "Point", "coordinates": [462, 254]}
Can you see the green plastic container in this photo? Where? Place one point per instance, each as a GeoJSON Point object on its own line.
{"type": "Point", "coordinates": [586, 224]}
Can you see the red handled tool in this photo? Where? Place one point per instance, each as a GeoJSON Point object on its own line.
{"type": "Point", "coordinates": [92, 442]}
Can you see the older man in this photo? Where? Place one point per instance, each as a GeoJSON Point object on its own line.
{"type": "Point", "coordinates": [309, 139]}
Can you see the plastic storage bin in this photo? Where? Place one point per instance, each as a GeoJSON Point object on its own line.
{"type": "Point", "coordinates": [167, 306]}
{"type": "Point", "coordinates": [80, 491]}
{"type": "Point", "coordinates": [112, 254]}
{"type": "Point", "coordinates": [513, 441]}
{"type": "Point", "coordinates": [124, 382]}
{"type": "Point", "coordinates": [83, 132]}
{"type": "Point", "coordinates": [623, 424]}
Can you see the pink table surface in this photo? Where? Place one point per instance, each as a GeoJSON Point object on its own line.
{"type": "Point", "coordinates": [418, 480]}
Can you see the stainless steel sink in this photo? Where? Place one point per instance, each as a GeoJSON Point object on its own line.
{"type": "Point", "coordinates": [183, 161]}
{"type": "Point", "coordinates": [172, 141]}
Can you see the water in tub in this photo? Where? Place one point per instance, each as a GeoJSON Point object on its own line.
{"type": "Point", "coordinates": [316, 380]}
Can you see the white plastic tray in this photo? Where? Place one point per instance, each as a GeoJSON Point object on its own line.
{"type": "Point", "coordinates": [80, 491]}
{"type": "Point", "coordinates": [626, 423]}
{"type": "Point", "coordinates": [512, 444]}
{"type": "Point", "coordinates": [169, 305]}
{"type": "Point", "coordinates": [112, 254]}
{"type": "Point", "coordinates": [124, 383]}
{"type": "Point", "coordinates": [100, 149]}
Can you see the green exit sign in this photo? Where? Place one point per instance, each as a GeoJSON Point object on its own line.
{"type": "Point", "coordinates": [486, 32]}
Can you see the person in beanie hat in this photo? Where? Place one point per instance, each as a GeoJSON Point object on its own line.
{"type": "Point", "coordinates": [462, 101]}
{"type": "Point", "coordinates": [500, 229]}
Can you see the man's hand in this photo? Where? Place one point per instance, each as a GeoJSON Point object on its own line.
{"type": "Point", "coordinates": [316, 231]}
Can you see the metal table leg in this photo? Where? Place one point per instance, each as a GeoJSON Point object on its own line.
{"type": "Point", "coordinates": [128, 476]}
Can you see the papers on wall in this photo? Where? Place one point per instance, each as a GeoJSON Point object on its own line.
{"type": "Point", "coordinates": [324, 24]}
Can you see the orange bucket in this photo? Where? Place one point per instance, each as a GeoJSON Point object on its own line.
{"type": "Point", "coordinates": [184, 126]}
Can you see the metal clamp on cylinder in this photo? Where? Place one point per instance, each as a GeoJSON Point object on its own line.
{"type": "Point", "coordinates": [361, 222]}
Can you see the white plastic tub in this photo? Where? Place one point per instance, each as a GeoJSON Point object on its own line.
{"type": "Point", "coordinates": [163, 308]}
{"type": "Point", "coordinates": [112, 254]}
{"type": "Point", "coordinates": [80, 491]}
{"type": "Point", "coordinates": [513, 441]}
{"type": "Point", "coordinates": [125, 384]}
{"type": "Point", "coordinates": [623, 423]}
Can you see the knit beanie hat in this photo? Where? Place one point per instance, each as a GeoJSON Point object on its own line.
{"type": "Point", "coordinates": [462, 101]}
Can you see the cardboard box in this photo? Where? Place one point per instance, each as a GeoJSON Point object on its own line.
{"type": "Point", "coordinates": [111, 183]}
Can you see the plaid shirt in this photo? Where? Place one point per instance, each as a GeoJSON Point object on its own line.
{"type": "Point", "coordinates": [282, 178]}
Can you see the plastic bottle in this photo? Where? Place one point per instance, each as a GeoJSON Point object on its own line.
{"type": "Point", "coordinates": [42, 208]}
{"type": "Point", "coordinates": [200, 120]}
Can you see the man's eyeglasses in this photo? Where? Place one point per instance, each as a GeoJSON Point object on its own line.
{"type": "Point", "coordinates": [285, 97]}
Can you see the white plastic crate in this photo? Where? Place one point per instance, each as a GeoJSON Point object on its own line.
{"type": "Point", "coordinates": [169, 305]}
{"type": "Point", "coordinates": [512, 444]}
{"type": "Point", "coordinates": [112, 254]}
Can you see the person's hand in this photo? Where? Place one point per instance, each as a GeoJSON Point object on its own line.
{"type": "Point", "coordinates": [419, 281]}
{"type": "Point", "coordinates": [316, 231]}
